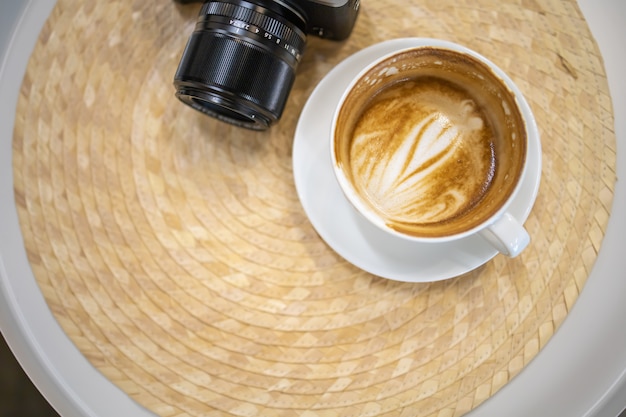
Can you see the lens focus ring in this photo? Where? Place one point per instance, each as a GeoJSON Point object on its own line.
{"type": "Point", "coordinates": [218, 60]}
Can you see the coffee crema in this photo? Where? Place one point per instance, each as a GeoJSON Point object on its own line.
{"type": "Point", "coordinates": [431, 141]}
{"type": "Point", "coordinates": [422, 152]}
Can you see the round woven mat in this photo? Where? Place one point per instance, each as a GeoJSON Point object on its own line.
{"type": "Point", "coordinates": [174, 252]}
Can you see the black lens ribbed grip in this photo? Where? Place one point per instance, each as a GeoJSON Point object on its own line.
{"type": "Point", "coordinates": [237, 68]}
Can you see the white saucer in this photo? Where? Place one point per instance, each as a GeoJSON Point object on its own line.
{"type": "Point", "coordinates": [344, 229]}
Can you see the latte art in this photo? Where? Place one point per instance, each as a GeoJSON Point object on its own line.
{"type": "Point", "coordinates": [422, 152]}
{"type": "Point", "coordinates": [429, 144]}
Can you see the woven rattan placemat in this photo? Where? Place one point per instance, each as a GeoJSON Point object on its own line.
{"type": "Point", "coordinates": [174, 251]}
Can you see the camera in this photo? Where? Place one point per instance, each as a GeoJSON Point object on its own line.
{"type": "Point", "coordinates": [240, 62]}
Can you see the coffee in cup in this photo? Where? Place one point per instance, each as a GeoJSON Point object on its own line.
{"type": "Point", "coordinates": [430, 143]}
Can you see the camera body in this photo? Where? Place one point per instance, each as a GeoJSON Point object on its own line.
{"type": "Point", "coordinates": [240, 62]}
{"type": "Point", "coordinates": [328, 19]}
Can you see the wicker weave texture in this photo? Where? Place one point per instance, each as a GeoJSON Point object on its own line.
{"type": "Point", "coordinates": [174, 252]}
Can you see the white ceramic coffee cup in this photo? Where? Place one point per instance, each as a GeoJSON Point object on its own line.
{"type": "Point", "coordinates": [496, 225]}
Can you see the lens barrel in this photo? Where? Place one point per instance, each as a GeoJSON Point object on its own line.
{"type": "Point", "coordinates": [240, 62]}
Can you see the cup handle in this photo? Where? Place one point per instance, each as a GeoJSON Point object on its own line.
{"type": "Point", "coordinates": [507, 235]}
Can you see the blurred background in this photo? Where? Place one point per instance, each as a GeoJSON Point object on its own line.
{"type": "Point", "coordinates": [18, 396]}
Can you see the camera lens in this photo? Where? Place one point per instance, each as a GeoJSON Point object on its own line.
{"type": "Point", "coordinates": [240, 62]}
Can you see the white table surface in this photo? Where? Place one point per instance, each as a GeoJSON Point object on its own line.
{"type": "Point", "coordinates": [580, 372]}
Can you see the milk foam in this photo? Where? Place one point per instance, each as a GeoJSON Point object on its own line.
{"type": "Point", "coordinates": [422, 153]}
